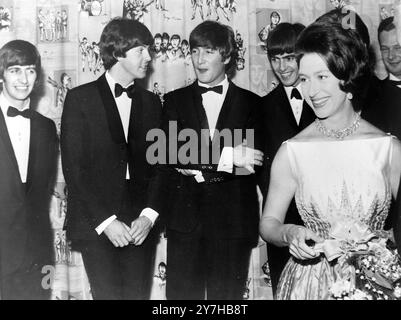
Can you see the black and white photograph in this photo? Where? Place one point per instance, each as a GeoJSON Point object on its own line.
{"type": "Point", "coordinates": [6, 16]}
{"type": "Point", "coordinates": [236, 151]}
{"type": "Point", "coordinates": [52, 24]}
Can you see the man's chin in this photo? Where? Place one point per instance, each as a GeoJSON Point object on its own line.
{"type": "Point", "coordinates": [288, 82]}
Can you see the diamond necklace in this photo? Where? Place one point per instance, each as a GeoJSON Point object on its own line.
{"type": "Point", "coordinates": [339, 134]}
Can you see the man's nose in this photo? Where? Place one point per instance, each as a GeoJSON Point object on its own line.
{"type": "Point", "coordinates": [282, 65]}
{"type": "Point", "coordinates": [23, 77]}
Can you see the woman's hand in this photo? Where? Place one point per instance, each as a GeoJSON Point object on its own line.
{"type": "Point", "coordinates": [296, 237]}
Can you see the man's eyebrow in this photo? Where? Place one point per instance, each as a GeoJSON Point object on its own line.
{"type": "Point", "coordinates": [286, 55]}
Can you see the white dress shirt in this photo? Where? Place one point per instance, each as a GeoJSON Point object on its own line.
{"type": "Point", "coordinates": [212, 103]}
{"type": "Point", "coordinates": [394, 78]}
{"type": "Point", "coordinates": [123, 103]}
{"type": "Point", "coordinates": [296, 104]}
{"type": "Point", "coordinates": [19, 130]}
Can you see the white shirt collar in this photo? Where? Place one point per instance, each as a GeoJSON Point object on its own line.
{"type": "Point", "coordinates": [4, 104]}
{"type": "Point", "coordinates": [393, 77]}
{"type": "Point", "coordinates": [112, 82]}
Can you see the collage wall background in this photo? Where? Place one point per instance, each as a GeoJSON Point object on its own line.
{"type": "Point", "coordinates": [66, 33]}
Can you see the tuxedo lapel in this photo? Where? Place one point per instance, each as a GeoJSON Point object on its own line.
{"type": "Point", "coordinates": [307, 116]}
{"type": "Point", "coordinates": [9, 150]}
{"type": "Point", "coordinates": [135, 125]}
{"type": "Point", "coordinates": [110, 106]}
{"type": "Point", "coordinates": [194, 112]}
{"type": "Point", "coordinates": [285, 108]}
{"type": "Point", "coordinates": [35, 147]}
{"type": "Point", "coordinates": [225, 109]}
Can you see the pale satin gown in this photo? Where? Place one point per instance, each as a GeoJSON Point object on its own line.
{"type": "Point", "coordinates": [337, 181]}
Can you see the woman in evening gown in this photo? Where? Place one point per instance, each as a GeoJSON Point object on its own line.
{"type": "Point", "coordinates": [341, 170]}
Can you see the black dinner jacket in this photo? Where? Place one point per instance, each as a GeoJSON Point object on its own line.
{"type": "Point", "coordinates": [226, 204]}
{"type": "Point", "coordinates": [279, 125]}
{"type": "Point", "coordinates": [383, 106]}
{"type": "Point", "coordinates": [95, 155]}
{"type": "Point", "coordinates": [25, 231]}
{"type": "Point", "coordinates": [383, 110]}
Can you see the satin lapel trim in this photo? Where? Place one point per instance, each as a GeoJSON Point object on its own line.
{"type": "Point", "coordinates": [136, 116]}
{"type": "Point", "coordinates": [285, 107]}
{"type": "Point", "coordinates": [4, 136]}
{"type": "Point", "coordinates": [195, 112]}
{"type": "Point", "coordinates": [307, 116]}
{"type": "Point", "coordinates": [35, 144]}
{"type": "Point", "coordinates": [110, 106]}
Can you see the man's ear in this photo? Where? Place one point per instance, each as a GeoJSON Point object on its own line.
{"type": "Point", "coordinates": [227, 60]}
{"type": "Point", "coordinates": [116, 57]}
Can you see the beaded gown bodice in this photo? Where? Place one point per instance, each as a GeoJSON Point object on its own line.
{"type": "Point", "coordinates": [345, 181]}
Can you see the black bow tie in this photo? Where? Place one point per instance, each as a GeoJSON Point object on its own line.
{"type": "Point", "coordinates": [217, 89]}
{"type": "Point", "coordinates": [13, 112]}
{"type": "Point", "coordinates": [295, 94]}
{"type": "Point", "coordinates": [395, 83]}
{"type": "Point", "coordinates": [118, 90]}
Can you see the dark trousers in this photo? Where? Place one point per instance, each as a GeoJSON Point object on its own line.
{"type": "Point", "coordinates": [200, 268]}
{"type": "Point", "coordinates": [119, 273]}
{"type": "Point", "coordinates": [25, 285]}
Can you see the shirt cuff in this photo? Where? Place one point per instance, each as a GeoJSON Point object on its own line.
{"type": "Point", "coordinates": [226, 162]}
{"type": "Point", "coordinates": [151, 214]}
{"type": "Point", "coordinates": [101, 227]}
{"type": "Point", "coordinates": [199, 176]}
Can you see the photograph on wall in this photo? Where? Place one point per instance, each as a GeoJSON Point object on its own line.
{"type": "Point", "coordinates": [386, 10]}
{"type": "Point", "coordinates": [61, 81]}
{"type": "Point", "coordinates": [136, 9]}
{"type": "Point", "coordinates": [93, 8]}
{"type": "Point", "coordinates": [170, 53]}
{"type": "Point", "coordinates": [335, 4]}
{"type": "Point", "coordinates": [89, 56]}
{"type": "Point", "coordinates": [53, 24]}
{"type": "Point", "coordinates": [6, 15]}
{"type": "Point", "coordinates": [214, 10]}
{"type": "Point", "coordinates": [266, 20]}
{"type": "Point", "coordinates": [241, 58]}
{"type": "Point", "coordinates": [258, 74]}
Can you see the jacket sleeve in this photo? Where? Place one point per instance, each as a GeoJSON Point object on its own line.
{"type": "Point", "coordinates": [75, 162]}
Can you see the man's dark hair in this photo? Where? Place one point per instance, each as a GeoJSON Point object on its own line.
{"type": "Point", "coordinates": [175, 36]}
{"type": "Point", "coordinates": [19, 53]}
{"type": "Point", "coordinates": [217, 36]}
{"type": "Point", "coordinates": [345, 54]}
{"type": "Point", "coordinates": [119, 36]}
{"type": "Point", "coordinates": [166, 36]}
{"type": "Point", "coordinates": [282, 39]}
{"type": "Point", "coordinates": [386, 25]}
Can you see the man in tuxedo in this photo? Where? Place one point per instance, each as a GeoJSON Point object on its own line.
{"type": "Point", "coordinates": [285, 114]}
{"type": "Point", "coordinates": [28, 151]}
{"type": "Point", "coordinates": [384, 111]}
{"type": "Point", "coordinates": [103, 145]}
{"type": "Point", "coordinates": [213, 211]}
